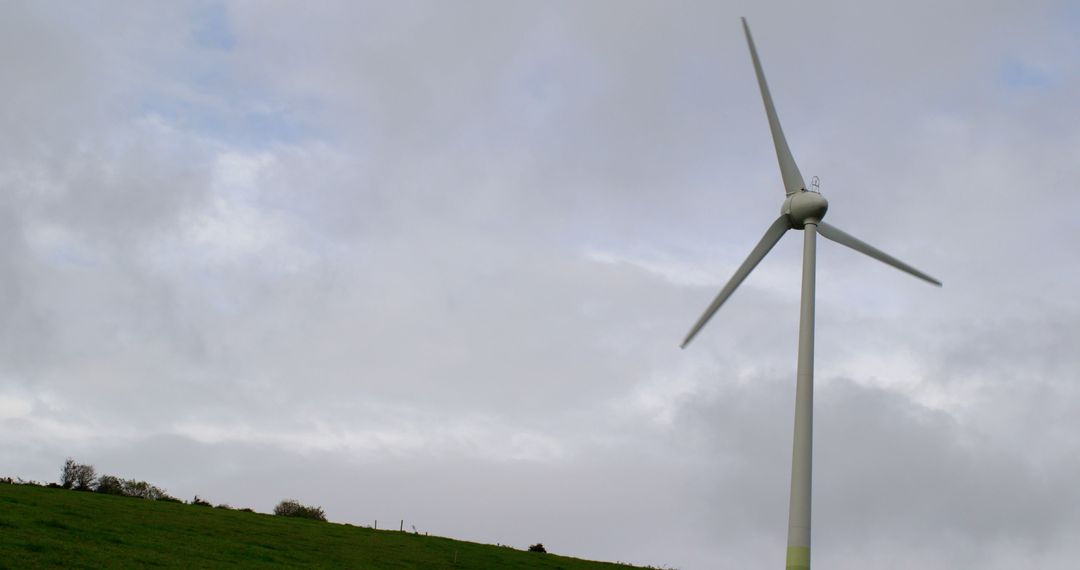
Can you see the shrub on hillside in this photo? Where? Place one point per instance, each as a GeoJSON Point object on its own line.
{"type": "Point", "coordinates": [113, 485]}
{"type": "Point", "coordinates": [292, 508]}
{"type": "Point", "coordinates": [21, 481]}
{"type": "Point", "coordinates": [200, 502]}
{"type": "Point", "coordinates": [110, 485]}
{"type": "Point", "coordinates": [538, 547]}
{"type": "Point", "coordinates": [142, 490]}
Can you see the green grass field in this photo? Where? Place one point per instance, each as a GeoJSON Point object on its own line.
{"type": "Point", "coordinates": [58, 528]}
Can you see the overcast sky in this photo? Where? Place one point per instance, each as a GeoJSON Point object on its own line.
{"type": "Point", "coordinates": [433, 261]}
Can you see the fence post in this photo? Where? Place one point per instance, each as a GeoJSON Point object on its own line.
{"type": "Point", "coordinates": [376, 524]}
{"type": "Point", "coordinates": [402, 527]}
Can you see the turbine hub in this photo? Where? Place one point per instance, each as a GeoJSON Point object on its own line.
{"type": "Point", "coordinates": [804, 207]}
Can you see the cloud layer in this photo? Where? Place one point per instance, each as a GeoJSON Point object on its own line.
{"type": "Point", "coordinates": [433, 262]}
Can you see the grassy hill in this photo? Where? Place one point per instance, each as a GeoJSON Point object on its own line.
{"type": "Point", "coordinates": [42, 528]}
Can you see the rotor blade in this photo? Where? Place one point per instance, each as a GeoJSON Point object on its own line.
{"type": "Point", "coordinates": [843, 238]}
{"type": "Point", "coordinates": [793, 180]}
{"type": "Point", "coordinates": [772, 235]}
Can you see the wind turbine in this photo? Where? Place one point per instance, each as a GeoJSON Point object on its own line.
{"type": "Point", "coordinates": [802, 210]}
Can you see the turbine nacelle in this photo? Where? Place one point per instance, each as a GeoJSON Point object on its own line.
{"type": "Point", "coordinates": [804, 207]}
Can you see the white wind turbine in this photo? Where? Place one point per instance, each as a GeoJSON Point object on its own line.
{"type": "Point", "coordinates": [802, 210]}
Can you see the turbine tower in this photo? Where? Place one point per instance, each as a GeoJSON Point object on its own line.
{"type": "Point", "coordinates": [802, 210]}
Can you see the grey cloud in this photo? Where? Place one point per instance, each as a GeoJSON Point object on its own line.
{"type": "Point", "coordinates": [454, 292]}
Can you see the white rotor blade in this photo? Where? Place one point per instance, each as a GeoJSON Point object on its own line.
{"type": "Point", "coordinates": [844, 238]}
{"type": "Point", "coordinates": [793, 180]}
{"type": "Point", "coordinates": [772, 235]}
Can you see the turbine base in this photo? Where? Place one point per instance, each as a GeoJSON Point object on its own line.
{"type": "Point", "coordinates": [798, 558]}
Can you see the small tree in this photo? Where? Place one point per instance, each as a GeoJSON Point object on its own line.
{"type": "Point", "coordinates": [538, 547]}
{"type": "Point", "coordinates": [85, 478]}
{"type": "Point", "coordinates": [293, 508]}
{"type": "Point", "coordinates": [77, 476]}
{"type": "Point", "coordinates": [67, 474]}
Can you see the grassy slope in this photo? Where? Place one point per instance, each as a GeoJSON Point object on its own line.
{"type": "Point", "coordinates": [42, 527]}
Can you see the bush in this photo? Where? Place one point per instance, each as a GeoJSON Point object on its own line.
{"type": "Point", "coordinates": [199, 502]}
{"type": "Point", "coordinates": [537, 548]}
{"type": "Point", "coordinates": [142, 490]}
{"type": "Point", "coordinates": [82, 478]}
{"type": "Point", "coordinates": [110, 485]}
{"type": "Point", "coordinates": [292, 508]}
